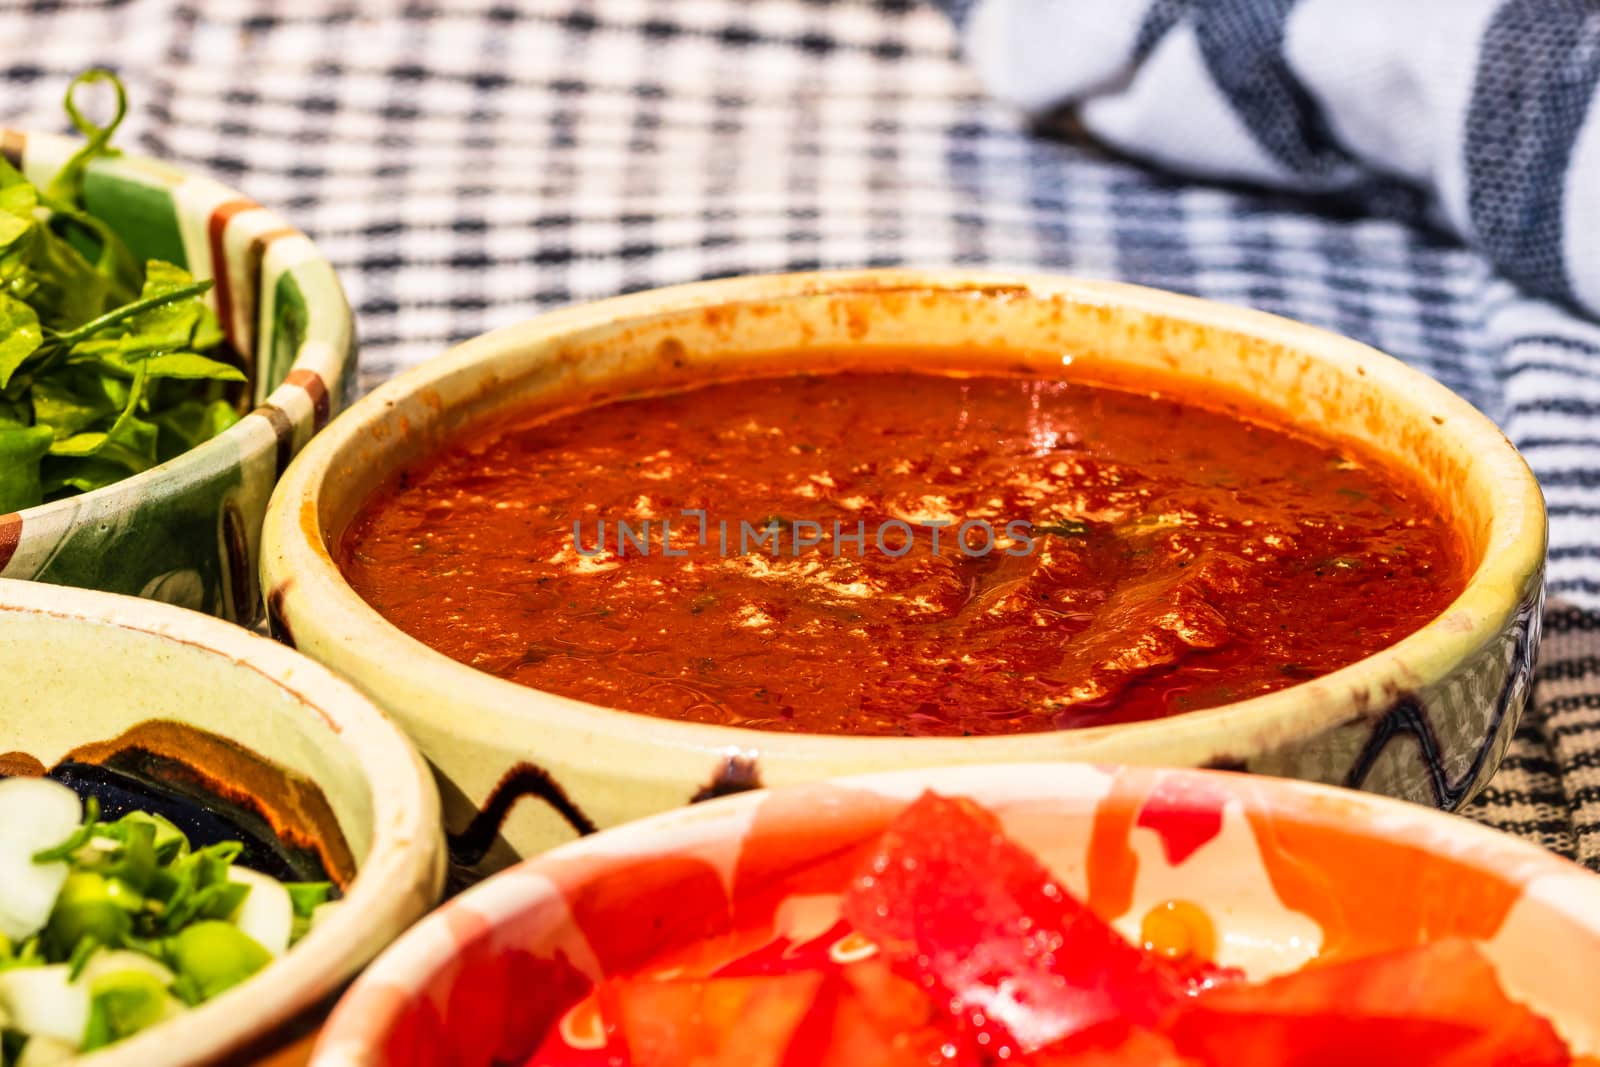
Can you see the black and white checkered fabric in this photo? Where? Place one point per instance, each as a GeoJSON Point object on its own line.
{"type": "Point", "coordinates": [467, 163]}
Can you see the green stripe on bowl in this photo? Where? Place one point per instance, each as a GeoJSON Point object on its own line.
{"type": "Point", "coordinates": [142, 214]}
{"type": "Point", "coordinates": [286, 330]}
{"type": "Point", "coordinates": [134, 195]}
{"type": "Point", "coordinates": [325, 304]}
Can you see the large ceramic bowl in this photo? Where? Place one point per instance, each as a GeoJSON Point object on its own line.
{"type": "Point", "coordinates": [1427, 719]}
{"type": "Point", "coordinates": [1284, 870]}
{"type": "Point", "coordinates": [188, 531]}
{"type": "Point", "coordinates": [142, 701]}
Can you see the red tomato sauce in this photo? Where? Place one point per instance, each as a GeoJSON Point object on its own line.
{"type": "Point", "coordinates": [1127, 554]}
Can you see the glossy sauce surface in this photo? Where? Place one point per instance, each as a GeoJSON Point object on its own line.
{"type": "Point", "coordinates": [1143, 555]}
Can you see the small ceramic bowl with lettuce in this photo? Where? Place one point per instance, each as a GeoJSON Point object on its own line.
{"type": "Point", "coordinates": [203, 835]}
{"type": "Point", "coordinates": [166, 347]}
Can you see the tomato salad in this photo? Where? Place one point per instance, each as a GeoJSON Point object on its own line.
{"type": "Point", "coordinates": [957, 948]}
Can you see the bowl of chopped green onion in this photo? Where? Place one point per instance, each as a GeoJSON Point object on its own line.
{"type": "Point", "coordinates": [203, 835]}
{"type": "Point", "coordinates": [166, 347]}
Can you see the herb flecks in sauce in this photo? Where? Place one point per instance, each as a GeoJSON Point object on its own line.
{"type": "Point", "coordinates": [1180, 554]}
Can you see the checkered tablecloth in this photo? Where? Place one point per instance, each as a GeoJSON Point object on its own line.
{"type": "Point", "coordinates": [467, 163]}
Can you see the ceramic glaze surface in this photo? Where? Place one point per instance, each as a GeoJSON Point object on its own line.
{"type": "Point", "coordinates": [1427, 719]}
{"type": "Point", "coordinates": [1286, 872]}
{"type": "Point", "coordinates": [189, 531]}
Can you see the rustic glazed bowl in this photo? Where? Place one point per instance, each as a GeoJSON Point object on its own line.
{"type": "Point", "coordinates": [169, 704]}
{"type": "Point", "coordinates": [1285, 871]}
{"type": "Point", "coordinates": [1427, 719]}
{"type": "Point", "coordinates": [188, 531]}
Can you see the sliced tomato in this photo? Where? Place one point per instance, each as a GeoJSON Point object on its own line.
{"type": "Point", "coordinates": [505, 1002]}
{"type": "Point", "coordinates": [866, 1016]}
{"type": "Point", "coordinates": [1439, 1004]}
{"type": "Point", "coordinates": [709, 1022]}
{"type": "Point", "coordinates": [1263, 1039]}
{"type": "Point", "coordinates": [418, 1038]}
{"type": "Point", "coordinates": [993, 937]}
{"type": "Point", "coordinates": [1112, 1044]}
{"type": "Point", "coordinates": [896, 1003]}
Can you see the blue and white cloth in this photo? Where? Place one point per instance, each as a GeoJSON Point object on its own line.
{"type": "Point", "coordinates": [1478, 116]}
{"type": "Point", "coordinates": [469, 163]}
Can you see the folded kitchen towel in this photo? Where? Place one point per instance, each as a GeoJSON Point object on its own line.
{"type": "Point", "coordinates": [1480, 116]}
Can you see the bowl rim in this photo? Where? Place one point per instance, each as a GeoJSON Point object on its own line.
{"type": "Point", "coordinates": [318, 331]}
{"type": "Point", "coordinates": [297, 563]}
{"type": "Point", "coordinates": [367, 1007]}
{"type": "Point", "coordinates": [407, 846]}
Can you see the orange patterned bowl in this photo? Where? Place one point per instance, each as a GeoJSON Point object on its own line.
{"type": "Point", "coordinates": [1286, 872]}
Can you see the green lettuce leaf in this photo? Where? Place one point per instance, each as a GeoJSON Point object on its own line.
{"type": "Point", "coordinates": [191, 423]}
{"type": "Point", "coordinates": [74, 400]}
{"type": "Point", "coordinates": [108, 366]}
{"type": "Point", "coordinates": [21, 451]}
{"type": "Point", "coordinates": [20, 335]}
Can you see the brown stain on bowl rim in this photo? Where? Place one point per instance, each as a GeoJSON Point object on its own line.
{"type": "Point", "coordinates": [10, 537]}
{"type": "Point", "coordinates": [277, 624]}
{"type": "Point", "coordinates": [21, 765]}
{"type": "Point", "coordinates": [293, 806]}
{"type": "Point", "coordinates": [928, 290]}
{"type": "Point", "coordinates": [433, 401]}
{"type": "Point", "coordinates": [856, 324]}
{"type": "Point", "coordinates": [738, 773]}
{"type": "Point", "coordinates": [671, 352]}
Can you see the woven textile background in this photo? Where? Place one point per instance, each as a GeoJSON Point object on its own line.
{"type": "Point", "coordinates": [467, 163]}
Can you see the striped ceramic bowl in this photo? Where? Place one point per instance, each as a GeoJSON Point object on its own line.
{"type": "Point", "coordinates": [188, 531]}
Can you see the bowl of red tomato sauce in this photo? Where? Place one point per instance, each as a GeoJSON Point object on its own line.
{"type": "Point", "coordinates": [769, 530]}
{"type": "Point", "coordinates": [1033, 914]}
